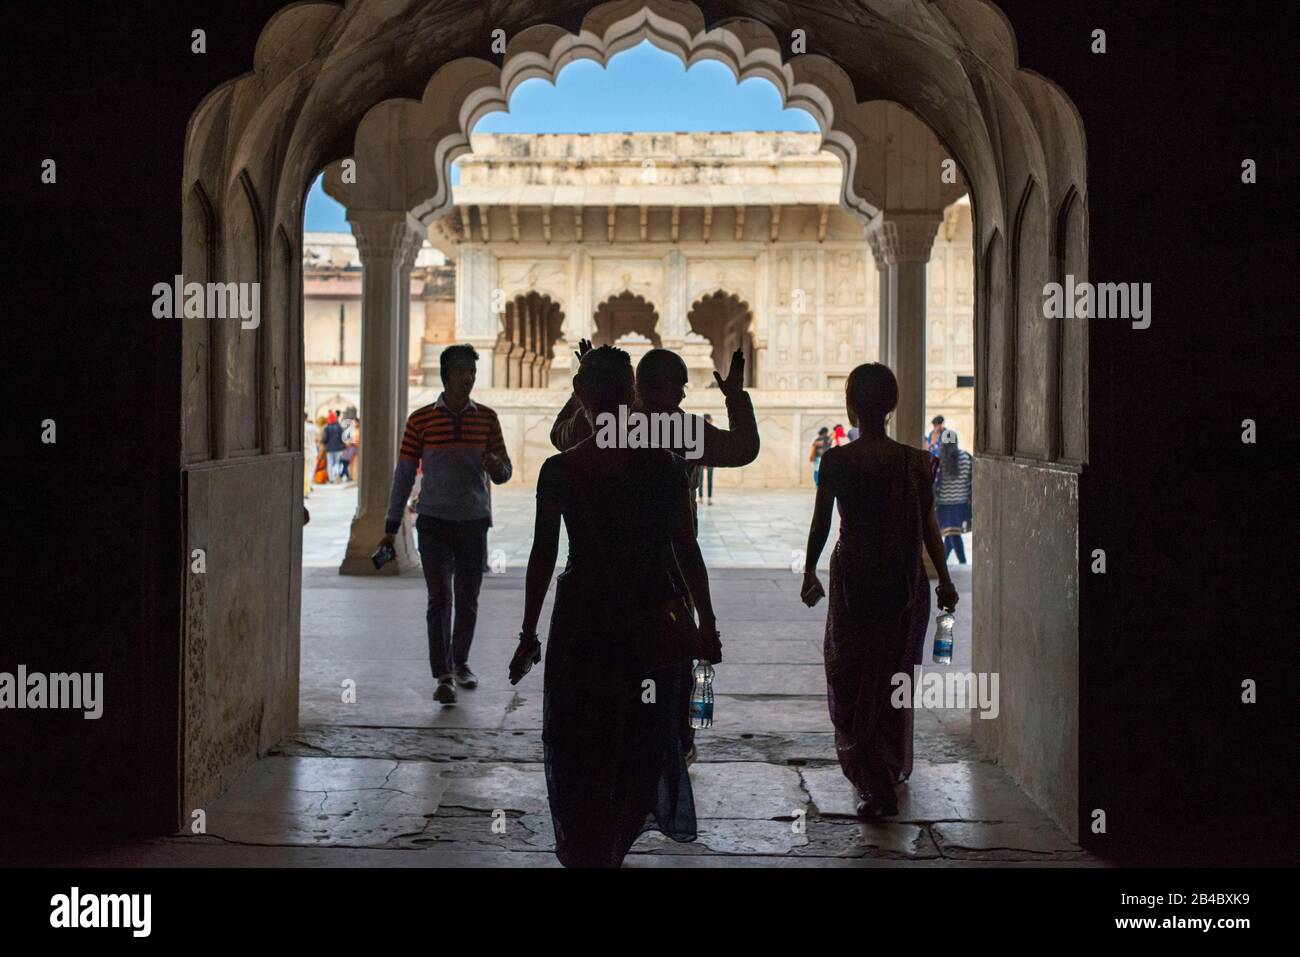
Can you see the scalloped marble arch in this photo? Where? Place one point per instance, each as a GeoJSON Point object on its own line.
{"type": "Point", "coordinates": [718, 292]}
{"type": "Point", "coordinates": [388, 83]}
{"type": "Point", "coordinates": [463, 91]}
{"type": "Point", "coordinates": [723, 294]}
{"type": "Point", "coordinates": [321, 78]}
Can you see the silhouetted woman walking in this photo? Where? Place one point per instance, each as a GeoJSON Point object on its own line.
{"type": "Point", "coordinates": [879, 607]}
{"type": "Point", "coordinates": [614, 751]}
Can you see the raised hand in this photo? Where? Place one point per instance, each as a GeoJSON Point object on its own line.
{"type": "Point", "coordinates": [584, 346]}
{"type": "Point", "coordinates": [734, 383]}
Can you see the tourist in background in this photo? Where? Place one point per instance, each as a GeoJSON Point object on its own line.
{"type": "Point", "coordinates": [819, 447]}
{"type": "Point", "coordinates": [347, 460]}
{"type": "Point", "coordinates": [310, 436]}
{"type": "Point", "coordinates": [353, 438]}
{"type": "Point", "coordinates": [701, 477]}
{"type": "Point", "coordinates": [952, 495]}
{"type": "Point", "coordinates": [838, 436]}
{"type": "Point", "coordinates": [931, 441]}
{"type": "Point", "coordinates": [322, 474]}
{"type": "Point", "coordinates": [879, 602]}
{"type": "Point", "coordinates": [458, 446]}
{"type": "Point", "coordinates": [331, 441]}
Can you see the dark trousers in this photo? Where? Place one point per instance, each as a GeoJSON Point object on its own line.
{"type": "Point", "coordinates": [452, 554]}
{"type": "Point", "coordinates": [953, 543]}
{"type": "Point", "coordinates": [699, 480]}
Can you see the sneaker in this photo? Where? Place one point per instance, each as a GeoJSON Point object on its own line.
{"type": "Point", "coordinates": [466, 678]}
{"type": "Point", "coordinates": [445, 693]}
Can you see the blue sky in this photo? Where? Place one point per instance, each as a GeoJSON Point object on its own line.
{"type": "Point", "coordinates": [644, 89]}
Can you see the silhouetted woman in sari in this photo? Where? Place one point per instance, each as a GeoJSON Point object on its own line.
{"type": "Point", "coordinates": [614, 696]}
{"type": "Point", "coordinates": [879, 602]}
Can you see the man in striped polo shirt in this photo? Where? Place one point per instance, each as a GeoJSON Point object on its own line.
{"type": "Point", "coordinates": [458, 446]}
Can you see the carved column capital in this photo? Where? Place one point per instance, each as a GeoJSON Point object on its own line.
{"type": "Point", "coordinates": [903, 237]}
{"type": "Point", "coordinates": [414, 243]}
{"type": "Point", "coordinates": [382, 234]}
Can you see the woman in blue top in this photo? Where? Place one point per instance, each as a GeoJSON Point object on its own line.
{"type": "Point", "coordinates": [952, 495]}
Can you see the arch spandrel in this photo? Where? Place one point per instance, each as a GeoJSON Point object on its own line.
{"type": "Point", "coordinates": [292, 38]}
{"type": "Point", "coordinates": [549, 278]}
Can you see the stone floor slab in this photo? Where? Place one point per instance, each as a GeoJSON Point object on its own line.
{"type": "Point", "coordinates": [750, 791]}
{"type": "Point", "coordinates": [1000, 840]}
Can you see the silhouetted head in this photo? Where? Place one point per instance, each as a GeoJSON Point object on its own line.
{"type": "Point", "coordinates": [604, 381]}
{"type": "Point", "coordinates": [870, 395]}
{"type": "Point", "coordinates": [459, 368]}
{"type": "Point", "coordinates": [661, 380]}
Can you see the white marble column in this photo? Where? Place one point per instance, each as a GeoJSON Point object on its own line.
{"type": "Point", "coordinates": [476, 322]}
{"type": "Point", "coordinates": [580, 318]}
{"type": "Point", "coordinates": [408, 556]}
{"type": "Point", "coordinates": [384, 240]}
{"type": "Point", "coordinates": [674, 324]}
{"type": "Point", "coordinates": [885, 352]}
{"type": "Point", "coordinates": [903, 241]}
{"type": "Point", "coordinates": [403, 356]}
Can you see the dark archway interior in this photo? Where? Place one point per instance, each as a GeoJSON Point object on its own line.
{"type": "Point", "coordinates": [623, 314]}
{"type": "Point", "coordinates": [725, 321]}
{"type": "Point", "coordinates": [530, 327]}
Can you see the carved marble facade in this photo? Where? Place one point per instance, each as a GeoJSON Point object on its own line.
{"type": "Point", "coordinates": [786, 276]}
{"type": "Point", "coordinates": [697, 242]}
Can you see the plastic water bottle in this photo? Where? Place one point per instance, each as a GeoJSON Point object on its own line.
{"type": "Point", "coordinates": [702, 696]}
{"type": "Point", "coordinates": [943, 637]}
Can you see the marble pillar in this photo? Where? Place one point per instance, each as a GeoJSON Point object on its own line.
{"type": "Point", "coordinates": [903, 241]}
{"type": "Point", "coordinates": [408, 557]}
{"type": "Point", "coordinates": [384, 240]}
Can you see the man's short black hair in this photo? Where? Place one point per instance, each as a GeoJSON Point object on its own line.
{"type": "Point", "coordinates": [454, 354]}
{"type": "Point", "coordinates": [937, 420]}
